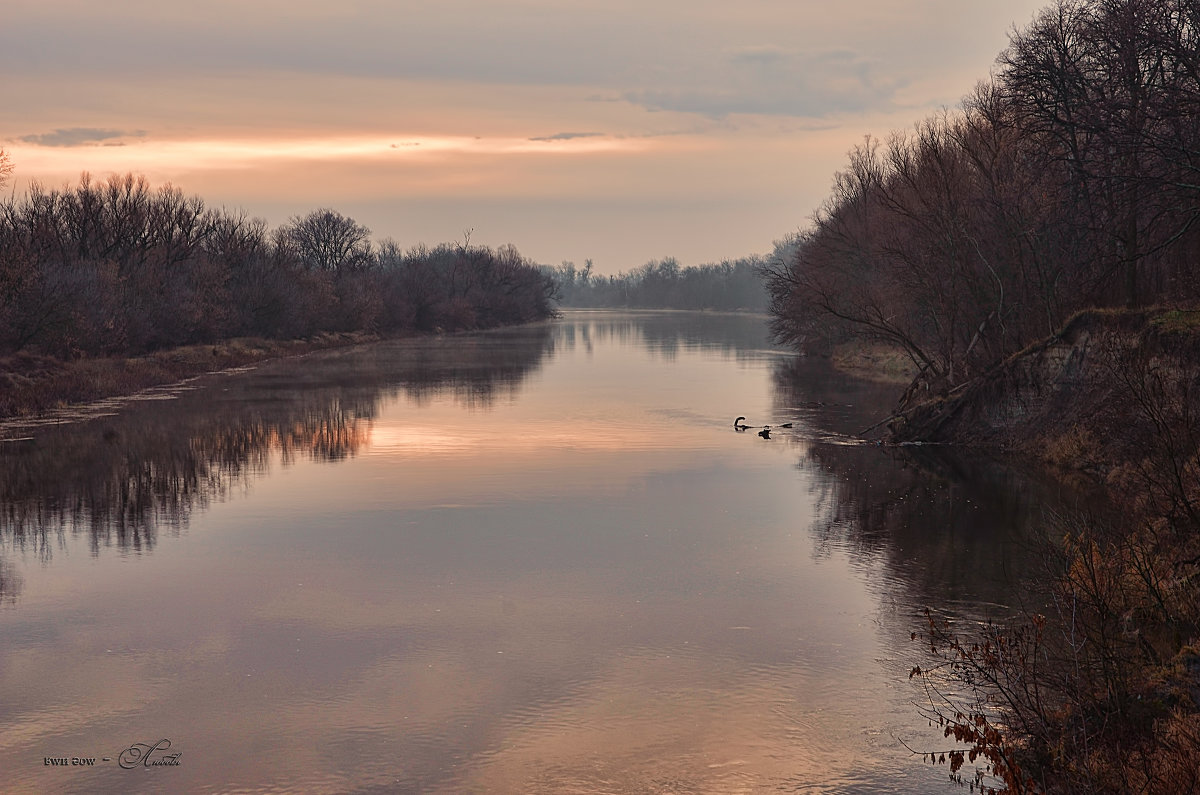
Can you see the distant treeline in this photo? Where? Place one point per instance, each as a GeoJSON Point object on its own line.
{"type": "Point", "coordinates": [663, 284]}
{"type": "Point", "coordinates": [119, 268]}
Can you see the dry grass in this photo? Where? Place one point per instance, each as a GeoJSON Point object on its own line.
{"type": "Point", "coordinates": [31, 384]}
{"type": "Point", "coordinates": [1075, 448]}
{"type": "Point", "coordinates": [874, 361]}
{"type": "Point", "coordinates": [1178, 321]}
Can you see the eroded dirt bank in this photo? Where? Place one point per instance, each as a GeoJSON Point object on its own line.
{"type": "Point", "coordinates": [1110, 388]}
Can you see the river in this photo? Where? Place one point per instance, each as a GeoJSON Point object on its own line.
{"type": "Point", "coordinates": [537, 559]}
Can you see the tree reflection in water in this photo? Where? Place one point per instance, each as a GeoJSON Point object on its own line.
{"type": "Point", "coordinates": [666, 333]}
{"type": "Point", "coordinates": [120, 479]}
{"type": "Point", "coordinates": [947, 526]}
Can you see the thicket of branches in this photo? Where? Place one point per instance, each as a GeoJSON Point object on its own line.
{"type": "Point", "coordinates": [118, 267]}
{"type": "Point", "coordinates": [1100, 690]}
{"type": "Point", "coordinates": [664, 284]}
{"type": "Point", "coordinates": [1070, 179]}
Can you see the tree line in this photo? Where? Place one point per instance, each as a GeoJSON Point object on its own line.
{"type": "Point", "coordinates": [664, 284]}
{"type": "Point", "coordinates": [1067, 180]}
{"type": "Point", "coordinates": [118, 267]}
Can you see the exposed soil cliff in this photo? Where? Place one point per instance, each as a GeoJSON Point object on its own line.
{"type": "Point", "coordinates": [1094, 397]}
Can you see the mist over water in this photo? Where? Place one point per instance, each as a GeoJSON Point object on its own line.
{"type": "Point", "coordinates": [538, 559]}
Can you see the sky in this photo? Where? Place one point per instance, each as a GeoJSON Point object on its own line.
{"type": "Point", "coordinates": [610, 130]}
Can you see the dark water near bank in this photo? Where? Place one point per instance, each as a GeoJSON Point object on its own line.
{"type": "Point", "coordinates": [532, 560]}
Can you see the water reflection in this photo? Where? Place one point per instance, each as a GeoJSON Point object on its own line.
{"type": "Point", "coordinates": [955, 528]}
{"type": "Point", "coordinates": [534, 560]}
{"type": "Point", "coordinates": [666, 334]}
{"type": "Point", "coordinates": [121, 479]}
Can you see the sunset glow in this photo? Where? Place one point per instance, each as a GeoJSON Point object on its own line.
{"type": "Point", "coordinates": [251, 153]}
{"type": "Point", "coordinates": [612, 132]}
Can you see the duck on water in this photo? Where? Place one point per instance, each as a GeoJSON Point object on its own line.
{"type": "Point", "coordinates": [739, 425]}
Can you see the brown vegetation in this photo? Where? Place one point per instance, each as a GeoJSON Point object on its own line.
{"type": "Point", "coordinates": [1065, 183]}
{"type": "Point", "coordinates": [997, 247]}
{"type": "Point", "coordinates": [110, 270]}
{"type": "Point", "coordinates": [1102, 693]}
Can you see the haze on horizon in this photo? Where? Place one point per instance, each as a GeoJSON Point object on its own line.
{"type": "Point", "coordinates": [616, 131]}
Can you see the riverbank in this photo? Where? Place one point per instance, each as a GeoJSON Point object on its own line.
{"type": "Point", "coordinates": [1103, 693]}
{"type": "Point", "coordinates": [31, 384]}
{"type": "Point", "coordinates": [1092, 398]}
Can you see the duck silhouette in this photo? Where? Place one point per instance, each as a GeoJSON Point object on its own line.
{"type": "Point", "coordinates": [739, 425]}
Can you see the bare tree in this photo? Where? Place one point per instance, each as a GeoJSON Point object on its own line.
{"type": "Point", "coordinates": [1092, 79]}
{"type": "Point", "coordinates": [6, 167]}
{"type": "Point", "coordinates": [328, 241]}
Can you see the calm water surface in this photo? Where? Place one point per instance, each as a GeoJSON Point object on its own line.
{"type": "Point", "coordinates": [532, 560]}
